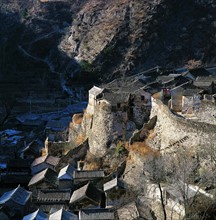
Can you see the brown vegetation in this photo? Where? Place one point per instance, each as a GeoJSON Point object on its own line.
{"type": "Point", "coordinates": [92, 162]}
{"type": "Point", "coordinates": [77, 118]}
{"type": "Point", "coordinates": [80, 139]}
{"type": "Point", "coordinates": [142, 149]}
{"type": "Point", "coordinates": [193, 64]}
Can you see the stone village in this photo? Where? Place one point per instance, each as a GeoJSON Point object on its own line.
{"type": "Point", "coordinates": [87, 165]}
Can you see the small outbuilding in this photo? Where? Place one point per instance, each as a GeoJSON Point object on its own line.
{"type": "Point", "coordinates": [87, 175]}
{"type": "Point", "coordinates": [46, 179]}
{"type": "Point", "coordinates": [87, 196]}
{"type": "Point", "coordinates": [65, 177]}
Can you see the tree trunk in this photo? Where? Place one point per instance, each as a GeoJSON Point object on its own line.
{"type": "Point", "coordinates": [162, 202]}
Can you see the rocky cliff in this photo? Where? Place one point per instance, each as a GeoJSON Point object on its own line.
{"type": "Point", "coordinates": [107, 38]}
{"type": "Point", "coordinates": [121, 37]}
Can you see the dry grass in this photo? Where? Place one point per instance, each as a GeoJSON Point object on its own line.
{"type": "Point", "coordinates": [71, 126]}
{"type": "Point", "coordinates": [151, 135]}
{"type": "Point", "coordinates": [143, 149]}
{"type": "Point", "coordinates": [94, 165]}
{"type": "Point", "coordinates": [44, 152]}
{"type": "Point", "coordinates": [80, 139]}
{"type": "Point", "coordinates": [104, 106]}
{"type": "Point", "coordinates": [92, 162]}
{"type": "Point", "coordinates": [88, 116]}
{"type": "Point", "coordinates": [77, 118]}
{"type": "Point", "coordinates": [157, 95]}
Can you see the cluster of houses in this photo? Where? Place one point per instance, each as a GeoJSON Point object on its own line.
{"type": "Point", "coordinates": [71, 193]}
{"type": "Point", "coordinates": [42, 189]}
{"type": "Point", "coordinates": [182, 90]}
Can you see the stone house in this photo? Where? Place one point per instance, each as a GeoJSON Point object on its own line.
{"type": "Point", "coordinates": [182, 93]}
{"type": "Point", "coordinates": [191, 101]}
{"type": "Point", "coordinates": [65, 177]}
{"type": "Point", "coordinates": [46, 179]}
{"type": "Point", "coordinates": [207, 83]}
{"type": "Point", "coordinates": [37, 215]}
{"type": "Point", "coordinates": [166, 82]}
{"type": "Point", "coordinates": [94, 93]}
{"type": "Point", "coordinates": [80, 176]}
{"type": "Point", "coordinates": [57, 130]}
{"type": "Point", "coordinates": [114, 189]}
{"type": "Point", "coordinates": [87, 196]}
{"type": "Point", "coordinates": [32, 150]}
{"type": "Point", "coordinates": [96, 214]}
{"type": "Point", "coordinates": [63, 215]}
{"type": "Point", "coordinates": [169, 82]}
{"type": "Point", "coordinates": [192, 74]}
{"type": "Point", "coordinates": [139, 106]}
{"type": "Point", "coordinates": [16, 202]}
{"type": "Point", "coordinates": [44, 162]}
{"type": "Point", "coordinates": [52, 198]}
{"type": "Point", "coordinates": [117, 101]}
{"type": "Point", "coordinates": [176, 194]}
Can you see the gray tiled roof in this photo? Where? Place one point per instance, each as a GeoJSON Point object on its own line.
{"type": "Point", "coordinates": [200, 72]}
{"type": "Point", "coordinates": [113, 183]}
{"type": "Point", "coordinates": [46, 159]}
{"type": "Point", "coordinates": [115, 98]}
{"type": "Point", "coordinates": [79, 194]}
{"type": "Point", "coordinates": [191, 92]}
{"type": "Point", "coordinates": [46, 175]}
{"type": "Point", "coordinates": [63, 215]}
{"type": "Point", "coordinates": [66, 172]}
{"type": "Point", "coordinates": [203, 83]}
{"type": "Point", "coordinates": [88, 174]}
{"type": "Point", "coordinates": [54, 195]}
{"type": "Point", "coordinates": [37, 215]}
{"type": "Point", "coordinates": [96, 214]}
{"type": "Point", "coordinates": [96, 90]}
{"type": "Point", "coordinates": [87, 191]}
{"type": "Point", "coordinates": [165, 79]}
{"type": "Point", "coordinates": [18, 195]}
{"type": "Point", "coordinates": [47, 207]}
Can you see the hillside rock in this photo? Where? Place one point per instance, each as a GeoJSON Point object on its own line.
{"type": "Point", "coordinates": [65, 42]}
{"type": "Point", "coordinates": [120, 37]}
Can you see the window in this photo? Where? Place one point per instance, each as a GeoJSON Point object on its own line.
{"type": "Point", "coordinates": [142, 97]}
{"type": "Point", "coordinates": [118, 105]}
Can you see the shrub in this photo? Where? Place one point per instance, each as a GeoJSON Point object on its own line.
{"type": "Point", "coordinates": [108, 50]}
{"type": "Point", "coordinates": [120, 149]}
{"type": "Point", "coordinates": [86, 66]}
{"type": "Point", "coordinates": [24, 13]}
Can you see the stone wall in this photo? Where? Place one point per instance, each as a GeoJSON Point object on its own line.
{"type": "Point", "coordinates": [206, 113]}
{"type": "Point", "coordinates": [173, 131]}
{"type": "Point", "coordinates": [102, 128]}
{"type": "Point", "coordinates": [101, 132]}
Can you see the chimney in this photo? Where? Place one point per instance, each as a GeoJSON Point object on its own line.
{"type": "Point", "coordinates": [80, 165]}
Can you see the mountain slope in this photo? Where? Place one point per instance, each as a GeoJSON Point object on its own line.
{"type": "Point", "coordinates": [123, 36]}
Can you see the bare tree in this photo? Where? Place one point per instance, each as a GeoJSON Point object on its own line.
{"type": "Point", "coordinates": [184, 171]}
{"type": "Point", "coordinates": [154, 168]}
